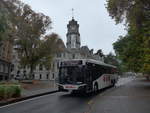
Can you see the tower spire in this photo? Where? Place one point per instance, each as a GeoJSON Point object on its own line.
{"type": "Point", "coordinates": [72, 13]}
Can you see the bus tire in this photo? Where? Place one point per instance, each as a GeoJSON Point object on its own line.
{"type": "Point", "coordinates": [113, 82]}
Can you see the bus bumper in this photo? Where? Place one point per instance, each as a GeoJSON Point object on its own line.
{"type": "Point", "coordinates": [61, 88]}
{"type": "Point", "coordinates": [65, 88]}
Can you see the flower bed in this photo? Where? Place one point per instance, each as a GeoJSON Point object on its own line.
{"type": "Point", "coordinates": [8, 91]}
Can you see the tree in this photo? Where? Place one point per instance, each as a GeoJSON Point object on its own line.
{"type": "Point", "coordinates": [113, 60]}
{"type": "Point", "coordinates": [129, 51]}
{"type": "Point", "coordinates": [30, 28]}
{"type": "Point", "coordinates": [100, 53]}
{"type": "Point", "coordinates": [2, 27]}
{"type": "Point", "coordinates": [8, 20]}
{"type": "Point", "coordinates": [133, 49]}
{"type": "Point", "coordinates": [146, 56]}
{"type": "Point", "coordinates": [40, 52]}
{"type": "Point", "coordinates": [133, 11]}
{"type": "Point", "coordinates": [4, 22]}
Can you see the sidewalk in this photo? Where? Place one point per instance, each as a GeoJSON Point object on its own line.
{"type": "Point", "coordinates": [38, 88]}
{"type": "Point", "coordinates": [33, 90]}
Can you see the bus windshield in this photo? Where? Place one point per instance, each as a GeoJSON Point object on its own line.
{"type": "Point", "coordinates": [71, 75]}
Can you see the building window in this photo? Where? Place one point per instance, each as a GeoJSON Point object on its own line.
{"type": "Point", "coordinates": [24, 74]}
{"type": "Point", "coordinates": [64, 55]}
{"type": "Point", "coordinates": [6, 78]}
{"type": "Point", "coordinates": [47, 68]}
{"type": "Point", "coordinates": [12, 68]}
{"type": "Point", "coordinates": [6, 68]}
{"type": "Point", "coordinates": [53, 76]}
{"type": "Point", "coordinates": [59, 55]}
{"type": "Point", "coordinates": [40, 67]}
{"type": "Point", "coordinates": [18, 73]}
{"type": "Point", "coordinates": [0, 67]}
{"type": "Point", "coordinates": [33, 76]}
{"type": "Point", "coordinates": [47, 76]}
{"type": "Point", "coordinates": [3, 68]}
{"type": "Point", "coordinates": [58, 65]}
{"type": "Point", "coordinates": [53, 65]}
{"type": "Point", "coordinates": [40, 76]}
{"type": "Point", "coordinates": [73, 56]}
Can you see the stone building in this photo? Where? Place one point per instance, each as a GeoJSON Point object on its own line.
{"type": "Point", "coordinates": [72, 50]}
{"type": "Point", "coordinates": [5, 59]}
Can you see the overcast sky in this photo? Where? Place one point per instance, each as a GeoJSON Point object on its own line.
{"type": "Point", "coordinates": [97, 29]}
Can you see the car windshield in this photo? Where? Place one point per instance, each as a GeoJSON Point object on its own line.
{"type": "Point", "coordinates": [71, 75]}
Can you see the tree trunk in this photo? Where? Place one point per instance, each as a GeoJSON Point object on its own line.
{"type": "Point", "coordinates": [31, 72]}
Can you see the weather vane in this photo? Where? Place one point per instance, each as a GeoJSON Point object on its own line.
{"type": "Point", "coordinates": [72, 13]}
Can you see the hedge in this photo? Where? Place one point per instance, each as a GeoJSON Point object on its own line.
{"type": "Point", "coordinates": [9, 91]}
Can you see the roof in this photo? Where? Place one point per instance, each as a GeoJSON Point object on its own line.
{"type": "Point", "coordinates": [92, 61]}
{"type": "Point", "coordinates": [99, 63]}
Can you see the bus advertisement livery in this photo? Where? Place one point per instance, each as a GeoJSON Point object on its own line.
{"type": "Point", "coordinates": [85, 75]}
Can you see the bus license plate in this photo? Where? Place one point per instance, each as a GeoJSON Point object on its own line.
{"type": "Point", "coordinates": [70, 87]}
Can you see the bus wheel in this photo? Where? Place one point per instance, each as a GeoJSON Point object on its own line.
{"type": "Point", "coordinates": [113, 82]}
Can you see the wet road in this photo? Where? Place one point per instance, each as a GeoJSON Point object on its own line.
{"type": "Point", "coordinates": [133, 97]}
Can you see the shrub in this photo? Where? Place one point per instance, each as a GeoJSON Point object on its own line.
{"type": "Point", "coordinates": [9, 91]}
{"type": "Point", "coordinates": [17, 91]}
{"type": "Point", "coordinates": [2, 92]}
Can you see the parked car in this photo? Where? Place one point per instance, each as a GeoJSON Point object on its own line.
{"type": "Point", "coordinates": [18, 77]}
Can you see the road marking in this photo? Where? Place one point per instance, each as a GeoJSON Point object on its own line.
{"type": "Point", "coordinates": [24, 101]}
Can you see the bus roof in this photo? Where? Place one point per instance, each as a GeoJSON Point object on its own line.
{"type": "Point", "coordinates": [92, 61]}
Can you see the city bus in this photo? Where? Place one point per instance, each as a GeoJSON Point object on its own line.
{"type": "Point", "coordinates": [85, 75]}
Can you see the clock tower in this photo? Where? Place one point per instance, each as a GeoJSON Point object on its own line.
{"type": "Point", "coordinates": [73, 35]}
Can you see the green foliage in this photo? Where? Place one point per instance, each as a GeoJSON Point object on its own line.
{"type": "Point", "coordinates": [9, 91]}
{"type": "Point", "coordinates": [50, 45]}
{"type": "Point", "coordinates": [131, 52]}
{"type": "Point", "coordinates": [100, 53]}
{"type": "Point", "coordinates": [133, 11]}
{"type": "Point", "coordinates": [17, 91]}
{"type": "Point", "coordinates": [146, 55]}
{"type": "Point", "coordinates": [7, 29]}
{"type": "Point", "coordinates": [113, 60]}
{"type": "Point", "coordinates": [2, 91]}
{"type": "Point", "coordinates": [3, 23]}
{"type": "Point", "coordinates": [29, 33]}
{"type": "Point", "coordinates": [134, 48]}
